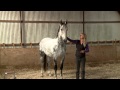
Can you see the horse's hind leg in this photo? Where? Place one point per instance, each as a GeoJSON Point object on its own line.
{"type": "Point", "coordinates": [55, 68]}
{"type": "Point", "coordinates": [42, 62]}
{"type": "Point", "coordinates": [61, 66]}
{"type": "Point", "coordinates": [48, 65]}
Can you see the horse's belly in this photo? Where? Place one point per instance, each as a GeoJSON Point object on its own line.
{"type": "Point", "coordinates": [54, 52]}
{"type": "Point", "coordinates": [47, 51]}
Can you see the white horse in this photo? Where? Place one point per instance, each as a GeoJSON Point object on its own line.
{"type": "Point", "coordinates": [54, 47]}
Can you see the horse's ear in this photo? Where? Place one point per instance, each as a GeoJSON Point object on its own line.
{"type": "Point", "coordinates": [61, 22]}
{"type": "Point", "coordinates": [65, 21]}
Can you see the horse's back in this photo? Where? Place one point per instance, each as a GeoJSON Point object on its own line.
{"type": "Point", "coordinates": [47, 45]}
{"type": "Point", "coordinates": [44, 40]}
{"type": "Point", "coordinates": [48, 41]}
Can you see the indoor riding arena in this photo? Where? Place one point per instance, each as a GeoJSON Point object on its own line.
{"type": "Point", "coordinates": [21, 32]}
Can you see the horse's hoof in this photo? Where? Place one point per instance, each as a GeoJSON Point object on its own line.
{"type": "Point", "coordinates": [61, 77]}
{"type": "Point", "coordinates": [50, 75]}
{"type": "Point", "coordinates": [41, 75]}
{"type": "Point", "coordinates": [55, 77]}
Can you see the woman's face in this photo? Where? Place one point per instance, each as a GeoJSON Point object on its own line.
{"type": "Point", "coordinates": [81, 36]}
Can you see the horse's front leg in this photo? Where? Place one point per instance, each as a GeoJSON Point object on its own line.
{"type": "Point", "coordinates": [55, 68]}
{"type": "Point", "coordinates": [61, 66]}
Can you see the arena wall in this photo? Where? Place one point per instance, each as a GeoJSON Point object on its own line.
{"type": "Point", "coordinates": [30, 56]}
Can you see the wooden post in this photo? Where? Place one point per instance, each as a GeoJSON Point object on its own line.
{"type": "Point", "coordinates": [21, 44]}
{"type": "Point", "coordinates": [3, 45]}
{"type": "Point", "coordinates": [98, 42]}
{"type": "Point", "coordinates": [22, 26]}
{"type": "Point", "coordinates": [0, 56]}
{"type": "Point", "coordinates": [31, 45]}
{"type": "Point", "coordinates": [13, 45]}
{"type": "Point", "coordinates": [83, 23]}
{"type": "Point", "coordinates": [91, 43]}
{"type": "Point", "coordinates": [112, 42]}
{"type": "Point", "coordinates": [105, 42]}
{"type": "Point", "coordinates": [115, 41]}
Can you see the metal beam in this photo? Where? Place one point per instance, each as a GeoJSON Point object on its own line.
{"type": "Point", "coordinates": [21, 25]}
{"type": "Point", "coordinates": [19, 21]}
{"type": "Point", "coordinates": [83, 23]}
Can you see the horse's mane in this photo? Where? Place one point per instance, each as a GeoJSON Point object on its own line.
{"type": "Point", "coordinates": [57, 32]}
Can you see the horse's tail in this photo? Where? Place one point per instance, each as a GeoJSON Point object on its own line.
{"type": "Point", "coordinates": [45, 62]}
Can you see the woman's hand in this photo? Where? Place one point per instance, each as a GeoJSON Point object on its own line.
{"type": "Point", "coordinates": [82, 51]}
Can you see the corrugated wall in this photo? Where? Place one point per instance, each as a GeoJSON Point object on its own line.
{"type": "Point", "coordinates": [102, 16]}
{"type": "Point", "coordinates": [34, 32]}
{"type": "Point", "coordinates": [9, 32]}
{"type": "Point", "coordinates": [53, 15]}
{"type": "Point", "coordinates": [9, 15]}
{"type": "Point", "coordinates": [102, 31]}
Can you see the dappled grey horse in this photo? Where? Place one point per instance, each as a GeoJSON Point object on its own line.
{"type": "Point", "coordinates": [54, 47]}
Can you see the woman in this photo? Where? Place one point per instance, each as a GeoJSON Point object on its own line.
{"type": "Point", "coordinates": [81, 48]}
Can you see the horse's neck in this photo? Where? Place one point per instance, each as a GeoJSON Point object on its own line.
{"type": "Point", "coordinates": [61, 43]}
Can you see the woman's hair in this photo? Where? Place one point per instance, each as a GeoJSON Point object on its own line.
{"type": "Point", "coordinates": [85, 39]}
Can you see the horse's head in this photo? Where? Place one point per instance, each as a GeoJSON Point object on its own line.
{"type": "Point", "coordinates": [62, 32]}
